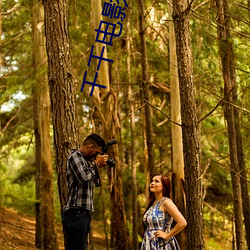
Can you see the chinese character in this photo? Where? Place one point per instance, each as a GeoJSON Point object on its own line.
{"type": "Point", "coordinates": [119, 2]}
{"type": "Point", "coordinates": [105, 35]}
{"type": "Point", "coordinates": [98, 57]}
{"type": "Point", "coordinates": [105, 32]}
{"type": "Point", "coordinates": [91, 83]}
{"type": "Point", "coordinates": [109, 9]}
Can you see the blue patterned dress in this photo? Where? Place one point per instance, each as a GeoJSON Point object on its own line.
{"type": "Point", "coordinates": [155, 220]}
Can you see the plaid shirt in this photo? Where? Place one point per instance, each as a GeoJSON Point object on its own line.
{"type": "Point", "coordinates": [80, 179]}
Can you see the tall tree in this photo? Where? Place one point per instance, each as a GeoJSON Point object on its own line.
{"type": "Point", "coordinates": [111, 129]}
{"type": "Point", "coordinates": [61, 87]}
{"type": "Point", "coordinates": [243, 178]}
{"type": "Point", "coordinates": [248, 3]}
{"type": "Point", "coordinates": [46, 237]}
{"type": "Point", "coordinates": [231, 115]}
{"type": "Point", "coordinates": [145, 90]}
{"type": "Point", "coordinates": [1, 31]}
{"type": "Point", "coordinates": [132, 139]}
{"type": "Point", "coordinates": [181, 17]}
{"type": "Point", "coordinates": [176, 132]}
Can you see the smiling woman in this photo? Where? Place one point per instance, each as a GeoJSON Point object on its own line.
{"type": "Point", "coordinates": [159, 215]}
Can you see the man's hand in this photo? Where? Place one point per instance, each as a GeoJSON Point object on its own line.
{"type": "Point", "coordinates": [101, 160]}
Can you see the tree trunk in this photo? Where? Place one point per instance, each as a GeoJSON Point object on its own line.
{"type": "Point", "coordinates": [189, 126]}
{"type": "Point", "coordinates": [145, 90]}
{"type": "Point", "coordinates": [1, 32]}
{"type": "Point", "coordinates": [1, 62]}
{"type": "Point", "coordinates": [111, 130]}
{"type": "Point", "coordinates": [132, 142]}
{"type": "Point", "coordinates": [104, 219]}
{"type": "Point", "coordinates": [176, 132]}
{"type": "Point", "coordinates": [248, 3]}
{"type": "Point", "coordinates": [46, 237]}
{"type": "Point", "coordinates": [61, 88]}
{"type": "Point", "coordinates": [37, 52]}
{"type": "Point", "coordinates": [231, 116]}
{"type": "Point", "coordinates": [243, 179]}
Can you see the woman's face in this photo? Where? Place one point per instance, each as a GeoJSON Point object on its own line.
{"type": "Point", "coordinates": [156, 184]}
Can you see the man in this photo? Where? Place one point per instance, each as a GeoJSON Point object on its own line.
{"type": "Point", "coordinates": [81, 174]}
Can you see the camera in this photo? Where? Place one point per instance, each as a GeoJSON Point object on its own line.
{"type": "Point", "coordinates": [110, 162]}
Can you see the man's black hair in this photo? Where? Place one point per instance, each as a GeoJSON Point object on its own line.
{"type": "Point", "coordinates": [94, 139]}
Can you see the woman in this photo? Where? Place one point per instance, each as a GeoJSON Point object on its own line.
{"type": "Point", "coordinates": [159, 215]}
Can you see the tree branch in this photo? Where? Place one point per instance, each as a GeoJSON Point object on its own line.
{"type": "Point", "coordinates": [14, 8]}
{"type": "Point", "coordinates": [162, 112]}
{"type": "Point", "coordinates": [10, 120]}
{"type": "Point", "coordinates": [200, 5]}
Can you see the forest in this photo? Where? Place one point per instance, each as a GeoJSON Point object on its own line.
{"type": "Point", "coordinates": [169, 80]}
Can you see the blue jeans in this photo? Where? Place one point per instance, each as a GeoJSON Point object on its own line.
{"type": "Point", "coordinates": [76, 226]}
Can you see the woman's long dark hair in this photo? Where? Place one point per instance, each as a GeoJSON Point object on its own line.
{"type": "Point", "coordinates": [166, 189]}
{"type": "Point", "coordinates": [166, 185]}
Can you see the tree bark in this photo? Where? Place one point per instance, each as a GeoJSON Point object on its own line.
{"type": "Point", "coordinates": [104, 219]}
{"type": "Point", "coordinates": [1, 32]}
{"type": "Point", "coordinates": [176, 132]}
{"type": "Point", "coordinates": [1, 62]}
{"type": "Point", "coordinates": [243, 178]}
{"type": "Point", "coordinates": [61, 88]}
{"type": "Point", "coordinates": [248, 3]}
{"type": "Point", "coordinates": [46, 237]}
{"type": "Point", "coordinates": [132, 141]}
{"type": "Point", "coordinates": [145, 90]}
{"type": "Point", "coordinates": [181, 16]}
{"type": "Point", "coordinates": [231, 116]}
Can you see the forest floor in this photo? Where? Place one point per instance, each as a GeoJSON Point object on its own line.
{"type": "Point", "coordinates": [18, 232]}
